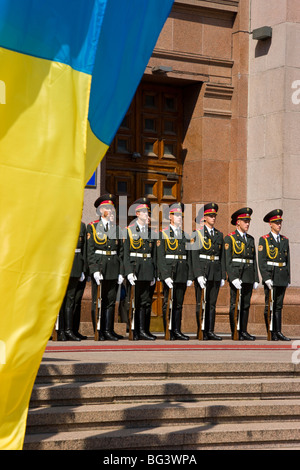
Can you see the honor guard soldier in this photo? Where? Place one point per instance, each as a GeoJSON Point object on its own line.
{"type": "Point", "coordinates": [175, 269]}
{"type": "Point", "coordinates": [140, 268]}
{"type": "Point", "coordinates": [274, 266]}
{"type": "Point", "coordinates": [208, 264]}
{"type": "Point", "coordinates": [104, 254]}
{"type": "Point", "coordinates": [241, 267]}
{"type": "Point", "coordinates": [66, 329]}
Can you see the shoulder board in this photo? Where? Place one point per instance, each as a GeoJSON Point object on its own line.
{"type": "Point", "coordinates": [266, 236]}
{"type": "Point", "coordinates": [94, 222]}
{"type": "Point", "coordinates": [286, 238]}
{"type": "Point", "coordinates": [230, 234]}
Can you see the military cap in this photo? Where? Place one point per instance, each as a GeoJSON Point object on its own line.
{"type": "Point", "coordinates": [176, 208]}
{"type": "Point", "coordinates": [211, 208]}
{"type": "Point", "coordinates": [142, 203]}
{"type": "Point", "coordinates": [273, 216]}
{"type": "Point", "coordinates": [207, 209]}
{"type": "Point", "coordinates": [243, 213]}
{"type": "Point", "coordinates": [107, 199]}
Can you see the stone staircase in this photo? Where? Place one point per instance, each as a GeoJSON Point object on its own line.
{"type": "Point", "coordinates": [165, 406]}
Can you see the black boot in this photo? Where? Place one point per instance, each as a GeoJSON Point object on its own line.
{"type": "Point", "coordinates": [277, 327]}
{"type": "Point", "coordinates": [142, 321]}
{"type": "Point", "coordinates": [109, 323]}
{"type": "Point", "coordinates": [243, 326]}
{"type": "Point", "coordinates": [68, 326]}
{"type": "Point", "coordinates": [61, 336]}
{"type": "Point", "coordinates": [147, 323]}
{"type": "Point", "coordinates": [61, 321]}
{"type": "Point", "coordinates": [210, 326]}
{"type": "Point", "coordinates": [176, 327]}
{"type": "Point", "coordinates": [281, 337]}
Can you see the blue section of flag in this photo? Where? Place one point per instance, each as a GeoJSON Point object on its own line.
{"type": "Point", "coordinates": [45, 29]}
{"type": "Point", "coordinates": [129, 33]}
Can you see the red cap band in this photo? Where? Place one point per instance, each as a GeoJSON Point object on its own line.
{"type": "Point", "coordinates": [141, 206]}
{"type": "Point", "coordinates": [244, 216]}
{"type": "Point", "coordinates": [107, 202]}
{"type": "Point", "coordinates": [276, 217]}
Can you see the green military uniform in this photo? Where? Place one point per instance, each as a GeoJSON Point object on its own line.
{"type": "Point", "coordinates": [174, 262]}
{"type": "Point", "coordinates": [208, 265]}
{"type": "Point", "coordinates": [66, 314]}
{"type": "Point", "coordinates": [140, 269]}
{"type": "Point", "coordinates": [241, 264]}
{"type": "Point", "coordinates": [104, 255]}
{"type": "Point", "coordinates": [274, 266]}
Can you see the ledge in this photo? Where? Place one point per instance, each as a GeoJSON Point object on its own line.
{"type": "Point", "coordinates": [230, 6]}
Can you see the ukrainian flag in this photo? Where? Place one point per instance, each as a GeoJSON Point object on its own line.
{"type": "Point", "coordinates": [68, 72]}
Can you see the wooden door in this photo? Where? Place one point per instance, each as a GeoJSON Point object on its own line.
{"type": "Point", "coordinates": [145, 157]}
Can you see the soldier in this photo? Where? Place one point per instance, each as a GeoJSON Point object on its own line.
{"type": "Point", "coordinates": [67, 329]}
{"type": "Point", "coordinates": [241, 267]}
{"type": "Point", "coordinates": [139, 265]}
{"type": "Point", "coordinates": [274, 266]}
{"type": "Point", "coordinates": [208, 267]}
{"type": "Point", "coordinates": [104, 254]}
{"type": "Point", "coordinates": [174, 267]}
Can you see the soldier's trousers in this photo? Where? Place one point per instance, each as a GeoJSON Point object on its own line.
{"type": "Point", "coordinates": [178, 297]}
{"type": "Point", "coordinates": [279, 292]}
{"type": "Point", "coordinates": [77, 304]}
{"type": "Point", "coordinates": [246, 293]}
{"type": "Point", "coordinates": [142, 294]}
{"type": "Point", "coordinates": [212, 291]}
{"type": "Point", "coordinates": [109, 296]}
{"type": "Point", "coordinates": [68, 303]}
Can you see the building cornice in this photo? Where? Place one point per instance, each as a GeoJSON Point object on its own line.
{"type": "Point", "coordinates": [229, 6]}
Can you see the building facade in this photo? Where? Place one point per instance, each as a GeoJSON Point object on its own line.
{"type": "Point", "coordinates": [215, 119]}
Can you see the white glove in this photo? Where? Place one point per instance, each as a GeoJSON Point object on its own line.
{"type": "Point", "coordinates": [120, 279]}
{"type": "Point", "coordinates": [98, 277]}
{"type": "Point", "coordinates": [269, 283]}
{"type": "Point", "coordinates": [202, 281]}
{"type": "Point", "coordinates": [222, 283]}
{"type": "Point", "coordinates": [82, 277]}
{"type": "Point", "coordinates": [152, 282]}
{"type": "Point", "coordinates": [189, 283]}
{"type": "Point", "coordinates": [131, 278]}
{"type": "Point", "coordinates": [237, 284]}
{"type": "Point", "coordinates": [255, 285]}
{"type": "Point", "coordinates": [169, 282]}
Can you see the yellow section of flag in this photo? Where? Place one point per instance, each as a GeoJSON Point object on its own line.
{"type": "Point", "coordinates": [43, 128]}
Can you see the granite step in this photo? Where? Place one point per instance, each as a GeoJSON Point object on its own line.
{"type": "Point", "coordinates": [76, 393]}
{"type": "Point", "coordinates": [70, 418]}
{"type": "Point", "coordinates": [165, 406]}
{"type": "Point", "coordinates": [245, 435]}
{"type": "Point", "coordinates": [83, 372]}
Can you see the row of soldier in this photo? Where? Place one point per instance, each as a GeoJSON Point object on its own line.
{"type": "Point", "coordinates": [110, 257]}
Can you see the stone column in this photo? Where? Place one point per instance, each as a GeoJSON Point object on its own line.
{"type": "Point", "coordinates": [273, 163]}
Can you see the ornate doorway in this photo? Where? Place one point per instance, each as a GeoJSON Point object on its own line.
{"type": "Point", "coordinates": [145, 157]}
